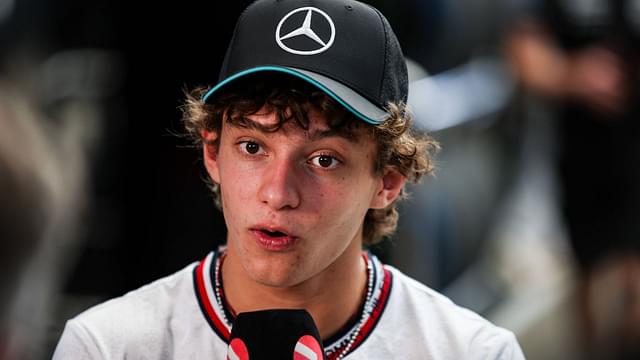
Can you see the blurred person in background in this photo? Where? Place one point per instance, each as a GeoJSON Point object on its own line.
{"type": "Point", "coordinates": [41, 187]}
{"type": "Point", "coordinates": [54, 88]}
{"type": "Point", "coordinates": [584, 56]}
{"type": "Point", "coordinates": [21, 217]}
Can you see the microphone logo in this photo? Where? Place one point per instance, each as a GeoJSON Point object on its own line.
{"type": "Point", "coordinates": [307, 348]}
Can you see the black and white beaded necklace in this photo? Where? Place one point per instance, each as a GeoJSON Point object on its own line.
{"type": "Point", "coordinates": [344, 344]}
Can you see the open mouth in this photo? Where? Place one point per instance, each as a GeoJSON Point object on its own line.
{"type": "Point", "coordinates": [273, 233]}
{"type": "Point", "coordinates": [275, 240]}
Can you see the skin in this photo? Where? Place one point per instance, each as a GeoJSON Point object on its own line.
{"type": "Point", "coordinates": [315, 188]}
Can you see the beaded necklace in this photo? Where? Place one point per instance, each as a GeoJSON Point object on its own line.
{"type": "Point", "coordinates": [367, 309]}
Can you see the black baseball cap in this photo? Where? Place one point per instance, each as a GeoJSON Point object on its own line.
{"type": "Point", "coordinates": [344, 47]}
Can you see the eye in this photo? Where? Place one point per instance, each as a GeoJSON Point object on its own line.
{"type": "Point", "coordinates": [325, 161]}
{"type": "Point", "coordinates": [250, 147]}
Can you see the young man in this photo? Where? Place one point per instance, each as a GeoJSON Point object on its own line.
{"type": "Point", "coordinates": [306, 140]}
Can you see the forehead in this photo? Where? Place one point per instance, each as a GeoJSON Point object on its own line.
{"type": "Point", "coordinates": [316, 126]}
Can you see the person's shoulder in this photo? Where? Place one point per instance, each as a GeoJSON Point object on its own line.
{"type": "Point", "coordinates": [141, 317]}
{"type": "Point", "coordinates": [146, 300]}
{"type": "Point", "coordinates": [428, 299]}
{"type": "Point", "coordinates": [443, 326]}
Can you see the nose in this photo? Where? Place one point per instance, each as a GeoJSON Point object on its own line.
{"type": "Point", "coordinates": [279, 186]}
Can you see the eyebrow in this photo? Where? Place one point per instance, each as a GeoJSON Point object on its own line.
{"type": "Point", "coordinates": [314, 135]}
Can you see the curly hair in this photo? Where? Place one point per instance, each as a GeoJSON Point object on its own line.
{"type": "Point", "coordinates": [398, 145]}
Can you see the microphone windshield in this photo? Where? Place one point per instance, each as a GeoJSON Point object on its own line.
{"type": "Point", "coordinates": [275, 334]}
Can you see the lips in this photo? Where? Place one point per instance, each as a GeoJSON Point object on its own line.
{"type": "Point", "coordinates": [273, 239]}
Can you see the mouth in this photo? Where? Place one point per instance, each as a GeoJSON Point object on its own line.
{"type": "Point", "coordinates": [273, 233]}
{"type": "Point", "coordinates": [273, 239]}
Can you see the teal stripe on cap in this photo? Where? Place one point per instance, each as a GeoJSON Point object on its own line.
{"type": "Point", "coordinates": [299, 75]}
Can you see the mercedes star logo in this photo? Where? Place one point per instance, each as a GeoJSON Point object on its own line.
{"type": "Point", "coordinates": [306, 30]}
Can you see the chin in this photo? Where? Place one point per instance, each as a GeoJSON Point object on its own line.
{"type": "Point", "coordinates": [276, 277]}
{"type": "Point", "coordinates": [276, 282]}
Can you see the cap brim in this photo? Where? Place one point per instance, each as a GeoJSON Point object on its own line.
{"type": "Point", "coordinates": [349, 99]}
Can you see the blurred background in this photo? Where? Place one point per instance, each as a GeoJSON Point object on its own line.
{"type": "Point", "coordinates": [531, 219]}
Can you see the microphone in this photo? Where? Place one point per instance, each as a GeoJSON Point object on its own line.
{"type": "Point", "coordinates": [275, 334]}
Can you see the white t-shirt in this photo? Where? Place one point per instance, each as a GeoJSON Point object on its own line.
{"type": "Point", "coordinates": [180, 317]}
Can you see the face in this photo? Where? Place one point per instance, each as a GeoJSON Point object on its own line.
{"type": "Point", "coordinates": [294, 200]}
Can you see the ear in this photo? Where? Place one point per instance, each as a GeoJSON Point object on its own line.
{"type": "Point", "coordinates": [210, 154]}
{"type": "Point", "coordinates": [389, 189]}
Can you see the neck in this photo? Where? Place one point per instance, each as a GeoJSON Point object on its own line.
{"type": "Point", "coordinates": [345, 276]}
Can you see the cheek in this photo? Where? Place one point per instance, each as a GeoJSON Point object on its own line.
{"type": "Point", "coordinates": [340, 203]}
{"type": "Point", "coordinates": [238, 189]}
{"type": "Point", "coordinates": [237, 176]}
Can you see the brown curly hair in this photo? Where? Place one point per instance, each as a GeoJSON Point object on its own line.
{"type": "Point", "coordinates": [398, 145]}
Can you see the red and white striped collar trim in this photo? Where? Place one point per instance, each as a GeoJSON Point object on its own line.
{"type": "Point", "coordinates": [203, 276]}
{"type": "Point", "coordinates": [216, 315]}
